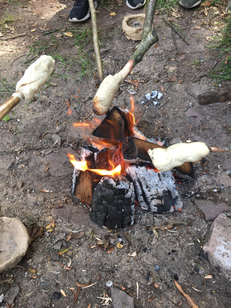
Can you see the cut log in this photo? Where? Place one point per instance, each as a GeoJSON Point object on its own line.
{"type": "Point", "coordinates": [211, 97]}
{"type": "Point", "coordinates": [83, 190]}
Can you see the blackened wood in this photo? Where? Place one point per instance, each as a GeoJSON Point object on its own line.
{"type": "Point", "coordinates": [212, 97]}
{"type": "Point", "coordinates": [112, 127]}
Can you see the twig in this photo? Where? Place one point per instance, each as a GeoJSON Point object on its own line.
{"type": "Point", "coordinates": [171, 25]}
{"type": "Point", "coordinates": [12, 37]}
{"type": "Point", "coordinates": [96, 41]}
{"type": "Point", "coordinates": [190, 301]}
{"type": "Point", "coordinates": [167, 100]}
{"type": "Point", "coordinates": [90, 285]}
{"type": "Point", "coordinates": [77, 294]}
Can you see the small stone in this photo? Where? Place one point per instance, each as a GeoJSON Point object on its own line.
{"type": "Point", "coordinates": [11, 295]}
{"type": "Point", "coordinates": [157, 268]}
{"type": "Point", "coordinates": [45, 285]}
{"type": "Point", "coordinates": [54, 257]}
{"type": "Point", "coordinates": [57, 295]}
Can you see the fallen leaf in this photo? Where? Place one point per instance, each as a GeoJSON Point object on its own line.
{"type": "Point", "coordinates": [36, 232]}
{"type": "Point", "coordinates": [197, 27]}
{"type": "Point", "coordinates": [33, 30]}
{"type": "Point", "coordinates": [113, 14]}
{"type": "Point", "coordinates": [33, 276]}
{"type": "Point", "coordinates": [208, 277]}
{"type": "Point", "coordinates": [69, 237]}
{"type": "Point", "coordinates": [32, 270]}
{"type": "Point", "coordinates": [162, 89]}
{"type": "Point", "coordinates": [69, 34]}
{"type": "Point", "coordinates": [82, 285]}
{"type": "Point", "coordinates": [209, 38]}
{"type": "Point", "coordinates": [58, 35]}
{"type": "Point", "coordinates": [78, 235]}
{"type": "Point", "coordinates": [44, 190]}
{"type": "Point", "coordinates": [63, 293]}
{"type": "Point", "coordinates": [110, 249]}
{"type": "Point", "coordinates": [62, 251]}
{"type": "Point", "coordinates": [72, 288]}
{"type": "Point", "coordinates": [119, 245]}
{"type": "Point", "coordinates": [6, 118]}
{"type": "Point", "coordinates": [206, 3]}
{"type": "Point", "coordinates": [51, 226]}
{"type": "Point", "coordinates": [156, 285]}
{"type": "Point", "coordinates": [181, 81]}
{"type": "Point", "coordinates": [172, 78]}
{"type": "Point", "coordinates": [176, 15]}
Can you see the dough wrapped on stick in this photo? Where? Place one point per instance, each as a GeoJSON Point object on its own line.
{"type": "Point", "coordinates": [33, 79]}
{"type": "Point", "coordinates": [177, 154]}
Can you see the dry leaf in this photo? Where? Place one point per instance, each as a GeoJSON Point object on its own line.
{"type": "Point", "coordinates": [119, 245]}
{"type": "Point", "coordinates": [197, 27]}
{"type": "Point", "coordinates": [82, 285]}
{"type": "Point", "coordinates": [62, 251]}
{"type": "Point", "coordinates": [69, 237]}
{"type": "Point", "coordinates": [172, 78]}
{"type": "Point", "coordinates": [181, 81]}
{"type": "Point", "coordinates": [44, 190]}
{"type": "Point", "coordinates": [78, 235]}
{"type": "Point", "coordinates": [110, 249]}
{"type": "Point", "coordinates": [209, 38]}
{"type": "Point", "coordinates": [63, 293]}
{"type": "Point", "coordinates": [208, 277]}
{"type": "Point", "coordinates": [69, 34]}
{"type": "Point", "coordinates": [206, 3]}
{"type": "Point", "coordinates": [36, 231]}
{"type": "Point", "coordinates": [176, 15]}
{"type": "Point", "coordinates": [33, 30]}
{"type": "Point", "coordinates": [51, 226]}
{"type": "Point", "coordinates": [156, 285]}
{"type": "Point", "coordinates": [113, 14]}
{"type": "Point", "coordinates": [32, 270]}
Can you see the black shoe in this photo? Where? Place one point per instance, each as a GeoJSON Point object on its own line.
{"type": "Point", "coordinates": [135, 4]}
{"type": "Point", "coordinates": [80, 11]}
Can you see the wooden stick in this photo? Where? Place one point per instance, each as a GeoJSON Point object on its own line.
{"type": "Point", "coordinates": [181, 35]}
{"type": "Point", "coordinates": [8, 105]}
{"type": "Point", "coordinates": [212, 97]}
{"type": "Point", "coordinates": [96, 41]}
{"type": "Point", "coordinates": [190, 301]}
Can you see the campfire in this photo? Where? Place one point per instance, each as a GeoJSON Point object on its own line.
{"type": "Point", "coordinates": [115, 173]}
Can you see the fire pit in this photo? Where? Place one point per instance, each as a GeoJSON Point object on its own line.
{"type": "Point", "coordinates": [115, 172]}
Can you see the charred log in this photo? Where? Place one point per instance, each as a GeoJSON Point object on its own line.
{"type": "Point", "coordinates": [113, 203]}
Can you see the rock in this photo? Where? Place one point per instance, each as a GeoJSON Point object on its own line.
{"type": "Point", "coordinates": [57, 295]}
{"type": "Point", "coordinates": [210, 209]}
{"type": "Point", "coordinates": [11, 295]}
{"type": "Point", "coordinates": [120, 299]}
{"type": "Point", "coordinates": [218, 247]}
{"type": "Point", "coordinates": [14, 242]}
{"type": "Point", "coordinates": [191, 113]}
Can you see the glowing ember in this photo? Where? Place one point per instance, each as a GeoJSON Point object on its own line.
{"type": "Point", "coordinates": [82, 165]}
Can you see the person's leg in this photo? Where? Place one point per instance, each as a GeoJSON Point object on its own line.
{"type": "Point", "coordinates": [188, 4]}
{"type": "Point", "coordinates": [81, 12]}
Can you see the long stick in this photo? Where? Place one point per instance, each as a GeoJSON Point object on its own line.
{"type": "Point", "coordinates": [96, 41]}
{"type": "Point", "coordinates": [181, 35]}
{"type": "Point", "coordinates": [8, 105]}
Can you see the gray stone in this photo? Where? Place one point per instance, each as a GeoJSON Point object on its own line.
{"type": "Point", "coordinates": [191, 113]}
{"type": "Point", "coordinates": [218, 247]}
{"type": "Point", "coordinates": [14, 242]}
{"type": "Point", "coordinates": [210, 209]}
{"type": "Point", "coordinates": [11, 295]}
{"type": "Point", "coordinates": [121, 299]}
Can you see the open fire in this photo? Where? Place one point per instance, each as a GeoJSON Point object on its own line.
{"type": "Point", "coordinates": [115, 171]}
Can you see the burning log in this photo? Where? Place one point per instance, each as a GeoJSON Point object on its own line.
{"type": "Point", "coordinates": [177, 154]}
{"type": "Point", "coordinates": [155, 190]}
{"type": "Point", "coordinates": [113, 203]}
{"type": "Point", "coordinates": [34, 77]}
{"type": "Point", "coordinates": [83, 187]}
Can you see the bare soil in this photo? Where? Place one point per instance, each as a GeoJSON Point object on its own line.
{"type": "Point", "coordinates": [36, 176]}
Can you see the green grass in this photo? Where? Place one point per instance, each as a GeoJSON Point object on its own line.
{"type": "Point", "coordinates": [164, 6]}
{"type": "Point", "coordinates": [223, 72]}
{"type": "Point", "coordinates": [6, 88]}
{"type": "Point", "coordinates": [7, 19]}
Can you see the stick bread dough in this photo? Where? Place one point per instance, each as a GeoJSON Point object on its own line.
{"type": "Point", "coordinates": [35, 76]}
{"type": "Point", "coordinates": [177, 154]}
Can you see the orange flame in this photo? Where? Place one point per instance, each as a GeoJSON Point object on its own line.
{"type": "Point", "coordinates": [82, 165]}
{"type": "Point", "coordinates": [131, 111]}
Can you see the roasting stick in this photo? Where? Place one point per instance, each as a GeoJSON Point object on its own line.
{"type": "Point", "coordinates": [96, 41]}
{"type": "Point", "coordinates": [33, 79]}
{"type": "Point", "coordinates": [110, 85]}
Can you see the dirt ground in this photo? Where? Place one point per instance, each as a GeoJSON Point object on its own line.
{"type": "Point", "coordinates": [36, 176]}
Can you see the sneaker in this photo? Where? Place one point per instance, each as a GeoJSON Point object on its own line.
{"type": "Point", "coordinates": [80, 11]}
{"type": "Point", "coordinates": [135, 4]}
{"type": "Point", "coordinates": [188, 4]}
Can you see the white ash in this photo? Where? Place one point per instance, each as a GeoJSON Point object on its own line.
{"type": "Point", "coordinates": [150, 187]}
